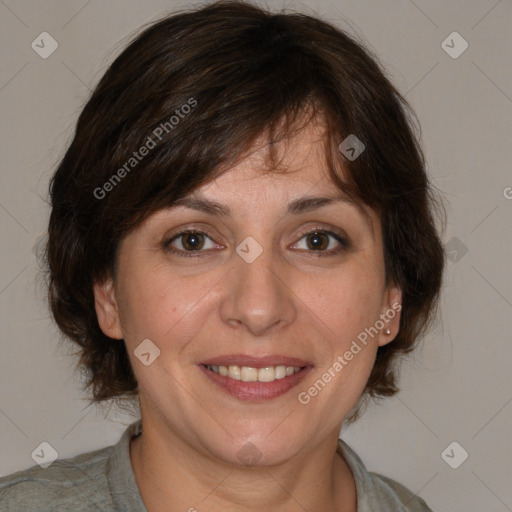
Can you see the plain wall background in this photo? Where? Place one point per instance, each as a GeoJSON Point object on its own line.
{"type": "Point", "coordinates": [458, 385]}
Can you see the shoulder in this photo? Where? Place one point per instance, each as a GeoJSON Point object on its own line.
{"type": "Point", "coordinates": [77, 483]}
{"type": "Point", "coordinates": [376, 492]}
{"type": "Point", "coordinates": [388, 490]}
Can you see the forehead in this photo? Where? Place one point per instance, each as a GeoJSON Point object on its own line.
{"type": "Point", "coordinates": [292, 171]}
{"type": "Point", "coordinates": [283, 168]}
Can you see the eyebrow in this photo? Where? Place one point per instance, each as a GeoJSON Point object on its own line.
{"type": "Point", "coordinates": [295, 207]}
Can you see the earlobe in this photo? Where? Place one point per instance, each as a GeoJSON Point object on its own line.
{"type": "Point", "coordinates": [390, 315]}
{"type": "Point", "coordinates": [106, 308]}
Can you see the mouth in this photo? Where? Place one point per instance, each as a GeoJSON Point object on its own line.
{"type": "Point", "coordinates": [251, 374]}
{"type": "Point", "coordinates": [255, 379]}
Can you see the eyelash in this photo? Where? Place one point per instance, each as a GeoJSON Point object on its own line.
{"type": "Point", "coordinates": [319, 253]}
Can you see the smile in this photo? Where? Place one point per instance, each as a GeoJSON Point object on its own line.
{"type": "Point", "coordinates": [248, 383]}
{"type": "Point", "coordinates": [249, 374]}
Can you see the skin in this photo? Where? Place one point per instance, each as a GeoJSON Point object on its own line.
{"type": "Point", "coordinates": [288, 301]}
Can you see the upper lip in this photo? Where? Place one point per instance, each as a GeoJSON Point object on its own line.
{"type": "Point", "coordinates": [255, 362]}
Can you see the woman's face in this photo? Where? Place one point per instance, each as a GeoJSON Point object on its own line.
{"type": "Point", "coordinates": [252, 281]}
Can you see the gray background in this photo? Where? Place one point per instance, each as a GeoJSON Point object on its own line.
{"type": "Point", "coordinates": [457, 387]}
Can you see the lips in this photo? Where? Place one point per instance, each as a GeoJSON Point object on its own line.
{"type": "Point", "coordinates": [258, 390]}
{"type": "Point", "coordinates": [255, 362]}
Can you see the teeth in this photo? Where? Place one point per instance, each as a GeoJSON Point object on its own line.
{"type": "Point", "coordinates": [280, 372]}
{"type": "Point", "coordinates": [233, 372]}
{"type": "Point", "coordinates": [248, 374]}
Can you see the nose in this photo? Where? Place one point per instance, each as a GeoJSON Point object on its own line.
{"type": "Point", "coordinates": [257, 296]}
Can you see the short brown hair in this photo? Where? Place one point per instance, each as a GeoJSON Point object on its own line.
{"type": "Point", "coordinates": [241, 71]}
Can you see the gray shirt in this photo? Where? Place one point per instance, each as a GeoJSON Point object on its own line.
{"type": "Point", "coordinates": [103, 480]}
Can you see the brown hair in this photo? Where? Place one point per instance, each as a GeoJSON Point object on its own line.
{"type": "Point", "coordinates": [195, 89]}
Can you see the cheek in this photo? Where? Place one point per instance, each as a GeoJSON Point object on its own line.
{"type": "Point", "coordinates": [347, 301]}
{"type": "Point", "coordinates": [162, 305]}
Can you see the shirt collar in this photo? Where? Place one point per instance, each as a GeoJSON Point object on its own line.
{"type": "Point", "coordinates": [120, 475]}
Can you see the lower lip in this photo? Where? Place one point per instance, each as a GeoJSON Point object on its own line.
{"type": "Point", "coordinates": [256, 391]}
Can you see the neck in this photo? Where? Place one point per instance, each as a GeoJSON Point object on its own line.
{"type": "Point", "coordinates": [173, 476]}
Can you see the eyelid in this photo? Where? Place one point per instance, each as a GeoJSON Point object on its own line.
{"type": "Point", "coordinates": [195, 228]}
{"type": "Point", "coordinates": [324, 228]}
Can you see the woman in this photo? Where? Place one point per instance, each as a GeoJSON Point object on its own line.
{"type": "Point", "coordinates": [241, 241]}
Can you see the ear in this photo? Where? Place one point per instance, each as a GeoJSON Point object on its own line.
{"type": "Point", "coordinates": [390, 314]}
{"type": "Point", "coordinates": [106, 308]}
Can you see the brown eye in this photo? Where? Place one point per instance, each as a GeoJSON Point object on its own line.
{"type": "Point", "coordinates": [323, 243]}
{"type": "Point", "coordinates": [190, 243]}
{"type": "Point", "coordinates": [317, 240]}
